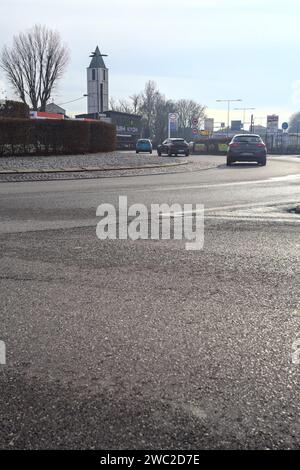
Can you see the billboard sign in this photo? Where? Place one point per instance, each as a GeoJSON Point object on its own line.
{"type": "Point", "coordinates": [272, 123]}
{"type": "Point", "coordinates": [209, 124]}
{"type": "Point", "coordinates": [173, 123]}
{"type": "Point", "coordinates": [236, 125]}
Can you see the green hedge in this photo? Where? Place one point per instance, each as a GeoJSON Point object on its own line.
{"type": "Point", "coordinates": [13, 109]}
{"type": "Point", "coordinates": [55, 137]}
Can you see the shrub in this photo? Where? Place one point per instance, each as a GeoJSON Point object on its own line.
{"type": "Point", "coordinates": [54, 137]}
{"type": "Point", "coordinates": [103, 135]}
{"type": "Point", "coordinates": [13, 109]}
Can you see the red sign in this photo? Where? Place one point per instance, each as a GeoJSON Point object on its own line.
{"type": "Point", "coordinates": [44, 115]}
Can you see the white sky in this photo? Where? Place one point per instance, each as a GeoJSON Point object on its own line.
{"type": "Point", "coordinates": [199, 49]}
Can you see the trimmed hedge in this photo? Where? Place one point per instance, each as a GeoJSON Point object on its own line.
{"type": "Point", "coordinates": [13, 109]}
{"type": "Point", "coordinates": [55, 137]}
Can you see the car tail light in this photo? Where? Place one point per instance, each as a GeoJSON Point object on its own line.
{"type": "Point", "coordinates": [260, 145]}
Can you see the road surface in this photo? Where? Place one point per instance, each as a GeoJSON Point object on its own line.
{"type": "Point", "coordinates": [123, 344]}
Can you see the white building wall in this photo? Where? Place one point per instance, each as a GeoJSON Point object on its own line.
{"type": "Point", "coordinates": [94, 90]}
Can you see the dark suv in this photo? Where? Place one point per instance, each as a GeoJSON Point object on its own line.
{"type": "Point", "coordinates": [173, 147]}
{"type": "Point", "coordinates": [247, 148]}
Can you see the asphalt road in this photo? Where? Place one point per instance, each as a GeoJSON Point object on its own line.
{"type": "Point", "coordinates": [126, 344]}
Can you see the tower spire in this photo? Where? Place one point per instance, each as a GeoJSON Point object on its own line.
{"type": "Point", "coordinates": [97, 61]}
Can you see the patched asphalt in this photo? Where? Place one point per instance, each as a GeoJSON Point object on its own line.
{"type": "Point", "coordinates": [145, 345]}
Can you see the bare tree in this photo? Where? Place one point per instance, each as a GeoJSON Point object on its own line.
{"type": "Point", "coordinates": [154, 108]}
{"type": "Point", "coordinates": [187, 111]}
{"type": "Point", "coordinates": [34, 64]}
{"type": "Point", "coordinates": [121, 105]}
{"type": "Point", "coordinates": [136, 99]}
{"type": "Point", "coordinates": [149, 97]}
{"type": "Point", "coordinates": [294, 123]}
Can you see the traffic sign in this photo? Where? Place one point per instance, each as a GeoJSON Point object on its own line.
{"type": "Point", "coordinates": [172, 124]}
{"type": "Point", "coordinates": [173, 117]}
{"type": "Point", "coordinates": [285, 126]}
{"type": "Point", "coordinates": [195, 121]}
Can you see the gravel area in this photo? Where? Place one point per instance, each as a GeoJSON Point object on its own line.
{"type": "Point", "coordinates": [115, 163]}
{"type": "Point", "coordinates": [110, 159]}
{"type": "Point", "coordinates": [8, 178]}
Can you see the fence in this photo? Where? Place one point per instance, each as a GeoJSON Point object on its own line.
{"type": "Point", "coordinates": [277, 143]}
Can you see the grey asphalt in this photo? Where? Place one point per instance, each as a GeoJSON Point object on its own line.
{"type": "Point", "coordinates": [141, 344]}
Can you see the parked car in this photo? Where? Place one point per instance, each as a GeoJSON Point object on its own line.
{"type": "Point", "coordinates": [143, 145]}
{"type": "Point", "coordinates": [247, 148]}
{"type": "Point", "coordinates": [173, 146]}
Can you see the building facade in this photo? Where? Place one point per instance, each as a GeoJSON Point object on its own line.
{"type": "Point", "coordinates": [97, 84]}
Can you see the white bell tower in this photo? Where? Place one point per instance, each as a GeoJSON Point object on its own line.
{"type": "Point", "coordinates": [97, 84]}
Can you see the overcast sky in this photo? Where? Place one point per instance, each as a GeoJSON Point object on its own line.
{"type": "Point", "coordinates": [199, 49]}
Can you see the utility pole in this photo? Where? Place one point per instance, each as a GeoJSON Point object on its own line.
{"type": "Point", "coordinates": [252, 125]}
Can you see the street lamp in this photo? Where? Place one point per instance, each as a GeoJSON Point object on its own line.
{"type": "Point", "coordinates": [244, 113]}
{"type": "Point", "coordinates": [72, 101]}
{"type": "Point", "coordinates": [228, 110]}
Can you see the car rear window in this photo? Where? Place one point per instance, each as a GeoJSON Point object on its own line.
{"type": "Point", "coordinates": [180, 141]}
{"type": "Point", "coordinates": [143, 142]}
{"type": "Point", "coordinates": [247, 138]}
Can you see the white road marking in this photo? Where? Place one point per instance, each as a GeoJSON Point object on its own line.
{"type": "Point", "coordinates": [232, 207]}
{"type": "Point", "coordinates": [236, 183]}
{"type": "Point", "coordinates": [255, 218]}
{"type": "Point", "coordinates": [275, 179]}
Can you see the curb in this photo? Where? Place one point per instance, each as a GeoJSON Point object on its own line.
{"type": "Point", "coordinates": [88, 168]}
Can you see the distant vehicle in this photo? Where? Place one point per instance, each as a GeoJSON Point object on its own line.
{"type": "Point", "coordinates": [247, 148]}
{"type": "Point", "coordinates": [173, 146]}
{"type": "Point", "coordinates": [143, 145]}
{"type": "Point", "coordinates": [125, 142]}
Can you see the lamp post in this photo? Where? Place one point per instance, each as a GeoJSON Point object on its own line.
{"type": "Point", "coordinates": [228, 110]}
{"type": "Point", "coordinates": [244, 114]}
